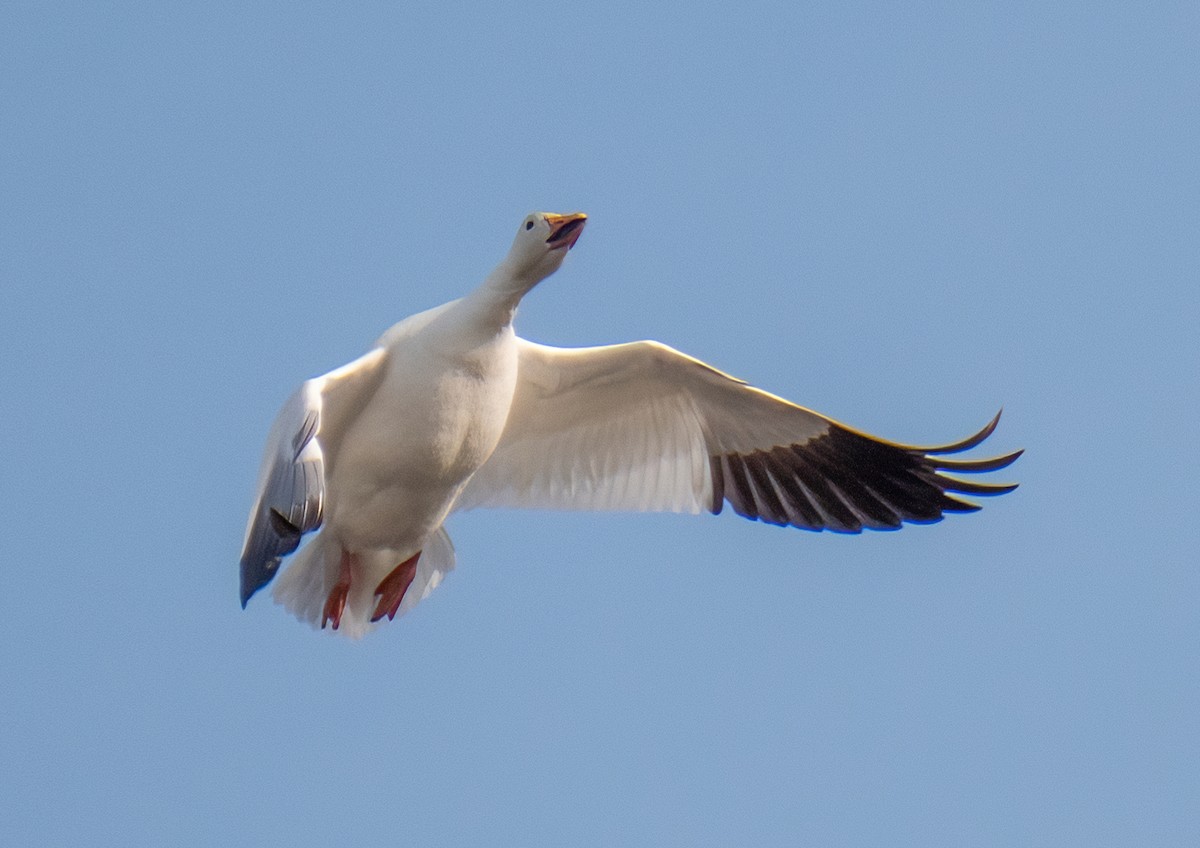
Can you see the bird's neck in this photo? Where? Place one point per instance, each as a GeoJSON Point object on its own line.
{"type": "Point", "coordinates": [495, 302]}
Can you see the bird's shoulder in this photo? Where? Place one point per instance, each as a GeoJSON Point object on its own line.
{"type": "Point", "coordinates": [407, 329]}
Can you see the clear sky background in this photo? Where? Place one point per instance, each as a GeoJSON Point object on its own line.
{"type": "Point", "coordinates": [904, 218]}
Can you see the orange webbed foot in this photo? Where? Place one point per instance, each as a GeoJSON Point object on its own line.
{"type": "Point", "coordinates": [392, 588]}
{"type": "Point", "coordinates": [335, 604]}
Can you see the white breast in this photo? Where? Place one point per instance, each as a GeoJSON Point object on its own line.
{"type": "Point", "coordinates": [435, 419]}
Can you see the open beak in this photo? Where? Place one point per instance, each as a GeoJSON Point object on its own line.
{"type": "Point", "coordinates": [565, 230]}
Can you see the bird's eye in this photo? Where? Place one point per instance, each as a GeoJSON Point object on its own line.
{"type": "Point", "coordinates": [529, 225]}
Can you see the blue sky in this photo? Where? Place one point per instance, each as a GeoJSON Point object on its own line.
{"type": "Point", "coordinates": [904, 218]}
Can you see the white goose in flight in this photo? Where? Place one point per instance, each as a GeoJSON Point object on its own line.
{"type": "Point", "coordinates": [452, 410]}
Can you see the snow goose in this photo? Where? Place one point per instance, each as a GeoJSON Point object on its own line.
{"type": "Point", "coordinates": [450, 410]}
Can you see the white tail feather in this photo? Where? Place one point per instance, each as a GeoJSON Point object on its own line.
{"type": "Point", "coordinates": [305, 584]}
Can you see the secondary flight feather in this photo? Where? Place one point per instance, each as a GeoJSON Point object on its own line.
{"type": "Point", "coordinates": [451, 410]}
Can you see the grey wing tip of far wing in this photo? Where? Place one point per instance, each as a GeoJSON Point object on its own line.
{"type": "Point", "coordinates": [291, 502]}
{"type": "Point", "coordinates": [255, 576]}
{"type": "Point", "coordinates": [256, 573]}
{"type": "Point", "coordinates": [270, 541]}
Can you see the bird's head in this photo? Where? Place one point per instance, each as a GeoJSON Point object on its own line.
{"type": "Point", "coordinates": [542, 242]}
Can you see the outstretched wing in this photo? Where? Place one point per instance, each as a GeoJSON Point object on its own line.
{"type": "Point", "coordinates": [291, 484]}
{"type": "Point", "coordinates": [641, 426]}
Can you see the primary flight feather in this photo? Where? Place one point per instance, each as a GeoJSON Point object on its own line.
{"type": "Point", "coordinates": [452, 410]}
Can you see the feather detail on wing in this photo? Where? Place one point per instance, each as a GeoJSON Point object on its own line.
{"type": "Point", "coordinates": [291, 485]}
{"type": "Point", "coordinates": [643, 427]}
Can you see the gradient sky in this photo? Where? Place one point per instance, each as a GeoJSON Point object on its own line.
{"type": "Point", "coordinates": [902, 218]}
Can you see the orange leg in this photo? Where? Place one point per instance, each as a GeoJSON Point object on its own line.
{"type": "Point", "coordinates": [335, 604]}
{"type": "Point", "coordinates": [392, 588]}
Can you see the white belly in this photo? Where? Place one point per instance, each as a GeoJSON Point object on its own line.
{"type": "Point", "coordinates": [432, 423]}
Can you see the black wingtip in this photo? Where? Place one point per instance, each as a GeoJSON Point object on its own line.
{"type": "Point", "coordinates": [975, 466]}
{"type": "Point", "coordinates": [987, 490]}
{"type": "Point", "coordinates": [970, 441]}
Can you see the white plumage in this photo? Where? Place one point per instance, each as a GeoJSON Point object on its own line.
{"type": "Point", "coordinates": [451, 410]}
